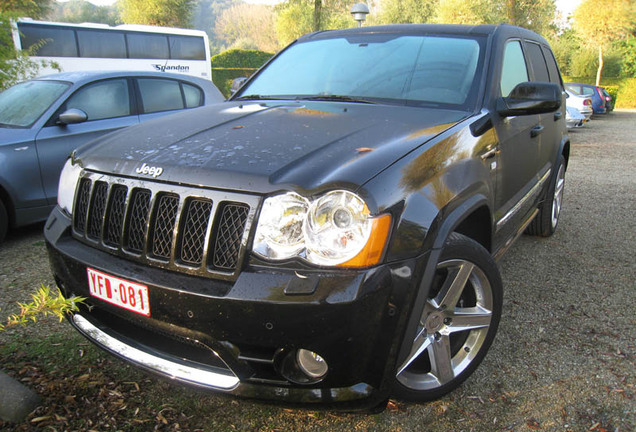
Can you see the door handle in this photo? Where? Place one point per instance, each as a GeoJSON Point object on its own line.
{"type": "Point", "coordinates": [490, 153]}
{"type": "Point", "coordinates": [558, 115]}
{"type": "Point", "coordinates": [536, 131]}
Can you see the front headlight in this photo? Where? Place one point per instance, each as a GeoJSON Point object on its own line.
{"type": "Point", "coordinates": [66, 187]}
{"type": "Point", "coordinates": [334, 230]}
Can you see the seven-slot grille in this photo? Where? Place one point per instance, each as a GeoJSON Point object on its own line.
{"type": "Point", "coordinates": [190, 230]}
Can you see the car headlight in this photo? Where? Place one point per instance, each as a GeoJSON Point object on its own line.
{"type": "Point", "coordinates": [66, 187]}
{"type": "Point", "coordinates": [334, 230]}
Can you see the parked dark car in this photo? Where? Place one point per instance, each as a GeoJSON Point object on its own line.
{"type": "Point", "coordinates": [44, 119]}
{"type": "Point", "coordinates": [599, 103]}
{"type": "Point", "coordinates": [329, 234]}
{"type": "Point", "coordinates": [609, 101]}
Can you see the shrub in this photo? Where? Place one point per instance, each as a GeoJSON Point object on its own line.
{"type": "Point", "coordinates": [235, 63]}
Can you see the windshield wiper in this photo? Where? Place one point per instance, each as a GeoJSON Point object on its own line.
{"type": "Point", "coordinates": [258, 97]}
{"type": "Point", "coordinates": [337, 98]}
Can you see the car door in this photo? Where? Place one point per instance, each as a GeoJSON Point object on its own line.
{"type": "Point", "coordinates": [551, 123]}
{"type": "Point", "coordinates": [159, 97]}
{"type": "Point", "coordinates": [108, 106]}
{"type": "Point", "coordinates": [518, 147]}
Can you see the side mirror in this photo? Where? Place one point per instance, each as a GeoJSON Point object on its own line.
{"type": "Point", "coordinates": [530, 98]}
{"type": "Point", "coordinates": [237, 83]}
{"type": "Point", "coordinates": [72, 116]}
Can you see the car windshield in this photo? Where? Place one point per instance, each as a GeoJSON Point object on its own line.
{"type": "Point", "coordinates": [24, 103]}
{"type": "Point", "coordinates": [419, 69]}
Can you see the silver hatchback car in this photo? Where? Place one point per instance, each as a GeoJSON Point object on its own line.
{"type": "Point", "coordinates": [43, 120]}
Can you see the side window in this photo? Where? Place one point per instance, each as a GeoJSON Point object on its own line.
{"type": "Point", "coordinates": [555, 75]}
{"type": "Point", "coordinates": [101, 44]}
{"type": "Point", "coordinates": [587, 91]}
{"type": "Point", "coordinates": [187, 48]}
{"type": "Point", "coordinates": [193, 95]}
{"type": "Point", "coordinates": [147, 46]}
{"type": "Point", "coordinates": [102, 100]}
{"type": "Point", "coordinates": [52, 41]}
{"type": "Point", "coordinates": [160, 95]}
{"type": "Point", "coordinates": [538, 62]}
{"type": "Point", "coordinates": [514, 70]}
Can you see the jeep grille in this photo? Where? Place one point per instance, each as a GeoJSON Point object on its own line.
{"type": "Point", "coordinates": [196, 231]}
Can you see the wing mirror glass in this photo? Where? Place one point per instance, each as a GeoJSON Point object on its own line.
{"type": "Point", "coordinates": [530, 98]}
{"type": "Point", "coordinates": [72, 116]}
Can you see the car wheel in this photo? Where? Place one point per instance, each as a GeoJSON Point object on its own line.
{"type": "Point", "coordinates": [4, 221]}
{"type": "Point", "coordinates": [546, 221]}
{"type": "Point", "coordinates": [457, 324]}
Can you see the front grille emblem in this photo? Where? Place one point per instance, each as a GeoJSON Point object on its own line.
{"type": "Point", "coordinates": [153, 171]}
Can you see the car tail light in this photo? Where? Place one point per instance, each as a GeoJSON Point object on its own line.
{"type": "Point", "coordinates": [587, 102]}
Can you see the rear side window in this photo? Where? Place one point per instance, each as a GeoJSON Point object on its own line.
{"type": "Point", "coordinates": [553, 69]}
{"type": "Point", "coordinates": [101, 44]}
{"type": "Point", "coordinates": [102, 100]}
{"type": "Point", "coordinates": [147, 46]}
{"type": "Point", "coordinates": [538, 62]}
{"type": "Point", "coordinates": [160, 95]}
{"type": "Point", "coordinates": [514, 70]}
{"type": "Point", "coordinates": [193, 96]}
{"type": "Point", "coordinates": [187, 48]}
{"type": "Point", "coordinates": [48, 41]}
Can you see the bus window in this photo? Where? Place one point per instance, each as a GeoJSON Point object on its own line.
{"type": "Point", "coordinates": [147, 46]}
{"type": "Point", "coordinates": [160, 95]}
{"type": "Point", "coordinates": [187, 48]}
{"type": "Point", "coordinates": [101, 44]}
{"type": "Point", "coordinates": [56, 42]}
{"type": "Point", "coordinates": [193, 96]}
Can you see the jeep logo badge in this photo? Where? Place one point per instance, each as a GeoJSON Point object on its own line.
{"type": "Point", "coordinates": [153, 171]}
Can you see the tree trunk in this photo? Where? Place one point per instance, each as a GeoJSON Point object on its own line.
{"type": "Point", "coordinates": [317, 15]}
{"type": "Point", "coordinates": [600, 66]}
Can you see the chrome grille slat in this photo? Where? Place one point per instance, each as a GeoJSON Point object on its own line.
{"type": "Point", "coordinates": [184, 229]}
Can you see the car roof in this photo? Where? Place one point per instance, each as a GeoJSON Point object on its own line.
{"type": "Point", "coordinates": [81, 77]}
{"type": "Point", "coordinates": [504, 30]}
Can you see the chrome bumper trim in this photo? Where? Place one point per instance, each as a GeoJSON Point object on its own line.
{"type": "Point", "coordinates": [161, 365]}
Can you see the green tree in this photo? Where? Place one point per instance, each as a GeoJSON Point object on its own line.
{"type": "Point", "coordinates": [25, 8]}
{"type": "Point", "coordinates": [601, 22]}
{"type": "Point", "coordinates": [79, 11]}
{"type": "Point", "coordinates": [294, 18]}
{"type": "Point", "coordinates": [467, 12]}
{"type": "Point", "coordinates": [169, 13]}
{"type": "Point", "coordinates": [407, 11]}
{"type": "Point", "coordinates": [15, 66]}
{"type": "Point", "coordinates": [248, 26]}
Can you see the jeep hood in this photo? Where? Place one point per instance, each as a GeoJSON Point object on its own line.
{"type": "Point", "coordinates": [265, 147]}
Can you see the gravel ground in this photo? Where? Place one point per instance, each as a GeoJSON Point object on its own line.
{"type": "Point", "coordinates": [563, 358]}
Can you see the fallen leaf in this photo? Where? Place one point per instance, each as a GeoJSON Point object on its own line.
{"type": "Point", "coordinates": [533, 424]}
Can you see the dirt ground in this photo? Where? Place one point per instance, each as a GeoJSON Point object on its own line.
{"type": "Point", "coordinates": [564, 357]}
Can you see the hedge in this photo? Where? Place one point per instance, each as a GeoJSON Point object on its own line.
{"type": "Point", "coordinates": [235, 63]}
{"type": "Point", "coordinates": [623, 90]}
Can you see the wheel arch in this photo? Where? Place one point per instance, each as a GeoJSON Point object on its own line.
{"type": "Point", "coordinates": [5, 197]}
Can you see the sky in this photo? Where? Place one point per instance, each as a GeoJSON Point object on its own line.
{"type": "Point", "coordinates": [565, 6]}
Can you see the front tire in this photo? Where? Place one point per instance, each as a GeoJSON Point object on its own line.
{"type": "Point", "coordinates": [4, 221]}
{"type": "Point", "coordinates": [457, 325]}
{"type": "Point", "coordinates": [545, 222]}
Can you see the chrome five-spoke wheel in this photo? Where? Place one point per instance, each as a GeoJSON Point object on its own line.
{"type": "Point", "coordinates": [457, 323]}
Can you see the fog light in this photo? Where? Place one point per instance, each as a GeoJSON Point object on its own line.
{"type": "Point", "coordinates": [311, 363]}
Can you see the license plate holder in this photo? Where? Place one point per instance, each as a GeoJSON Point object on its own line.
{"type": "Point", "coordinates": [119, 292]}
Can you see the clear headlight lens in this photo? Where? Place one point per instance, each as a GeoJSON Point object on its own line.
{"type": "Point", "coordinates": [66, 187]}
{"type": "Point", "coordinates": [280, 227]}
{"type": "Point", "coordinates": [332, 230]}
{"type": "Point", "coordinates": [337, 228]}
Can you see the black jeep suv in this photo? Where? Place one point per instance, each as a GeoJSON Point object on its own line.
{"type": "Point", "coordinates": [329, 234]}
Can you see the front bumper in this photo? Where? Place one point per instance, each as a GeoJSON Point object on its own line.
{"type": "Point", "coordinates": [237, 337]}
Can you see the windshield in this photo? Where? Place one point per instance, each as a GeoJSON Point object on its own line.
{"type": "Point", "coordinates": [368, 67]}
{"type": "Point", "coordinates": [24, 103]}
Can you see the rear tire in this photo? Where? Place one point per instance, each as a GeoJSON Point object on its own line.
{"type": "Point", "coordinates": [545, 222]}
{"type": "Point", "coordinates": [4, 221]}
{"type": "Point", "coordinates": [457, 324]}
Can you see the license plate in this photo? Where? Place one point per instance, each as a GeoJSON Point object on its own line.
{"type": "Point", "coordinates": [120, 292]}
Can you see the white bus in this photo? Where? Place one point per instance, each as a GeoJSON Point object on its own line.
{"type": "Point", "coordinates": [88, 46]}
